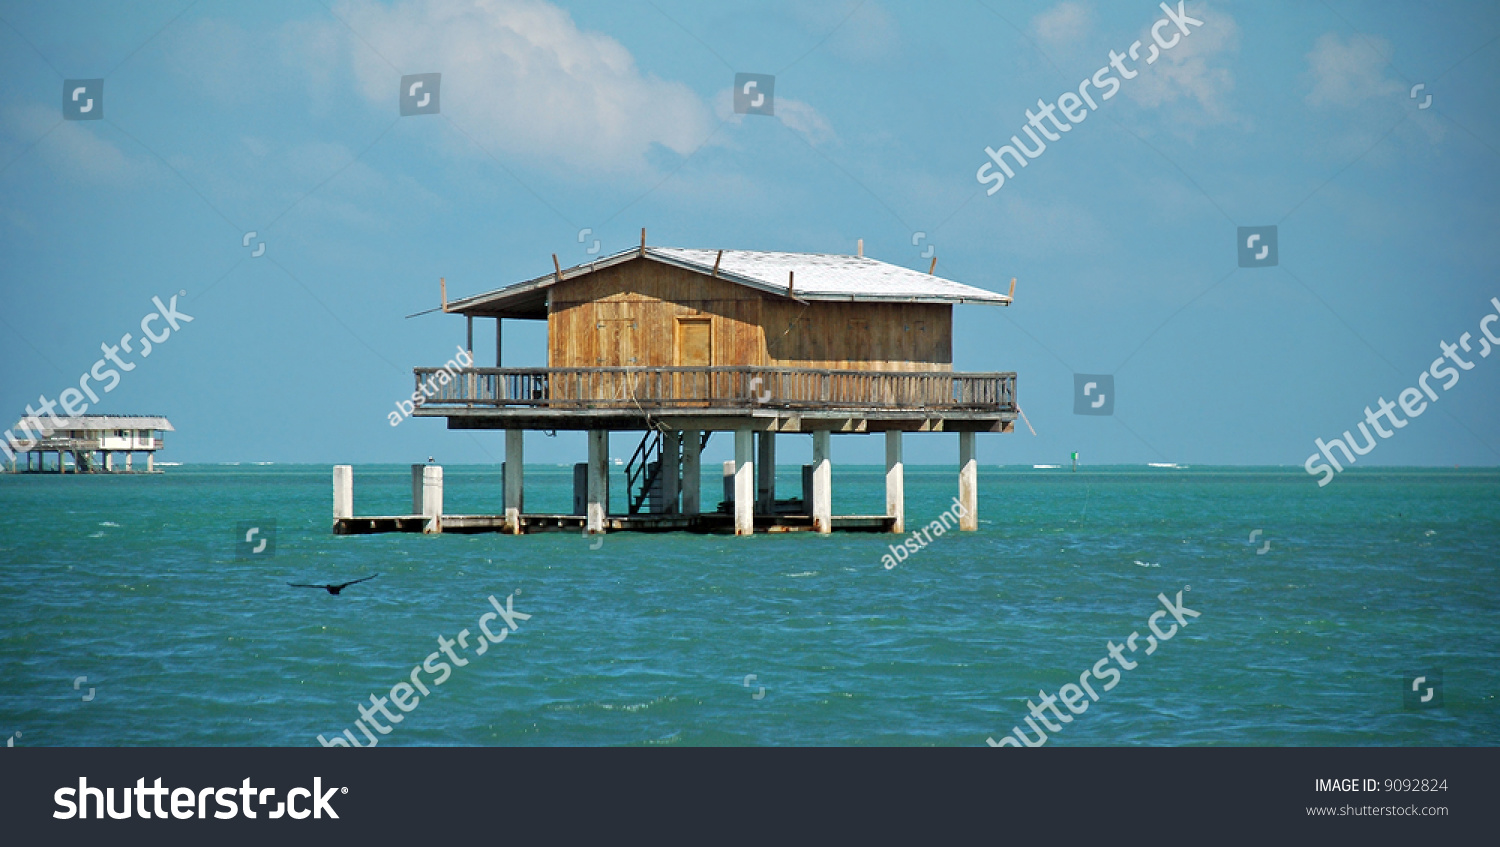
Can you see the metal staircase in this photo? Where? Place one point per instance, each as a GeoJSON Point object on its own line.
{"type": "Point", "coordinates": [643, 471]}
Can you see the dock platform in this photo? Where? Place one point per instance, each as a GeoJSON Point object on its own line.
{"type": "Point", "coordinates": [713, 523]}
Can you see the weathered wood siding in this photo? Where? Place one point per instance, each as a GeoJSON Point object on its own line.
{"type": "Point", "coordinates": [638, 304]}
{"type": "Point", "coordinates": [627, 316]}
{"type": "Point", "coordinates": [859, 336]}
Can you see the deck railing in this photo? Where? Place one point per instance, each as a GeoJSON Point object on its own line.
{"type": "Point", "coordinates": [52, 443]}
{"type": "Point", "coordinates": [717, 387]}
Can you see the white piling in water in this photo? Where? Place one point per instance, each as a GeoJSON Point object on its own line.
{"type": "Point", "coordinates": [432, 498]}
{"type": "Point", "coordinates": [514, 479]}
{"type": "Point", "coordinates": [598, 481]}
{"type": "Point", "coordinates": [895, 481]}
{"type": "Point", "coordinates": [343, 491]}
{"type": "Point", "coordinates": [822, 479]}
{"type": "Point", "coordinates": [744, 482]}
{"type": "Point", "coordinates": [968, 482]}
{"type": "Point", "coordinates": [416, 489]}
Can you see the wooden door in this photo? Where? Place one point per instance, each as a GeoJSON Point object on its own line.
{"type": "Point", "coordinates": [615, 347]}
{"type": "Point", "coordinates": [694, 349]}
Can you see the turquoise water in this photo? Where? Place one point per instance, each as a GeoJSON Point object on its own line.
{"type": "Point", "coordinates": [134, 583]}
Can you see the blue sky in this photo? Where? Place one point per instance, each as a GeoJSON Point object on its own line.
{"type": "Point", "coordinates": [282, 118]}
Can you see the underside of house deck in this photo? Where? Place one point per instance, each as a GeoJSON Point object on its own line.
{"type": "Point", "coordinates": [724, 420]}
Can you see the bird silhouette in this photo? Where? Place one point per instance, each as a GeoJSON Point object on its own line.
{"type": "Point", "coordinates": [332, 589]}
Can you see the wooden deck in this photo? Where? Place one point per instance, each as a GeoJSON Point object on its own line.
{"type": "Point", "coordinates": [713, 523]}
{"type": "Point", "coordinates": [720, 398]}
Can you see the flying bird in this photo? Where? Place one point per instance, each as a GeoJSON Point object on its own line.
{"type": "Point", "coordinates": [332, 589]}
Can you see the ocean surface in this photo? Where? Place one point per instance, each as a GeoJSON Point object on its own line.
{"type": "Point", "coordinates": [128, 616]}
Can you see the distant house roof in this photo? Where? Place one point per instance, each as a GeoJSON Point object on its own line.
{"type": "Point", "coordinates": [814, 276]}
{"type": "Point", "coordinates": [102, 422]}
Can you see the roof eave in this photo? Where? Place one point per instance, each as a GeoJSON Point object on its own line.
{"type": "Point", "coordinates": [878, 298]}
{"type": "Point", "coordinates": [492, 298]}
{"type": "Point", "coordinates": [492, 301]}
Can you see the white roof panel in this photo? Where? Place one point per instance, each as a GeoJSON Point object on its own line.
{"type": "Point", "coordinates": [815, 276]}
{"type": "Point", "coordinates": [103, 422]}
{"type": "Point", "coordinates": [826, 276]}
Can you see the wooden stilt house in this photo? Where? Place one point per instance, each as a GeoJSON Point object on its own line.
{"type": "Point", "coordinates": [680, 343]}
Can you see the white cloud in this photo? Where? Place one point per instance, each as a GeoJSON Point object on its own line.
{"type": "Point", "coordinates": [794, 114]}
{"type": "Point", "coordinates": [523, 79]}
{"type": "Point", "coordinates": [80, 150]}
{"type": "Point", "coordinates": [1192, 73]}
{"type": "Point", "coordinates": [803, 118]}
{"type": "Point", "coordinates": [1063, 25]}
{"type": "Point", "coordinates": [1347, 73]}
{"type": "Point", "coordinates": [1350, 74]}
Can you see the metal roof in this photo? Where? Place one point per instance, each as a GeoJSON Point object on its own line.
{"type": "Point", "coordinates": [103, 422]}
{"type": "Point", "coordinates": [814, 276]}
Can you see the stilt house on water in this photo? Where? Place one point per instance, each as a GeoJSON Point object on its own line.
{"type": "Point", "coordinates": [680, 344]}
{"type": "Point", "coordinates": [92, 441]}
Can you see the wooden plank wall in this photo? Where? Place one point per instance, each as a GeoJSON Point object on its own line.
{"type": "Point", "coordinates": [646, 298]}
{"type": "Point", "coordinates": [859, 336]}
{"type": "Point", "coordinates": [638, 303]}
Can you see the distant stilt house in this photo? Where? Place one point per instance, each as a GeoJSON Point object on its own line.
{"type": "Point", "coordinates": [92, 441]}
{"type": "Point", "coordinates": [680, 344]}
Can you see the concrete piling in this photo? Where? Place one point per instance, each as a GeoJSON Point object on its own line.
{"type": "Point", "coordinates": [895, 481]}
{"type": "Point", "coordinates": [692, 474]}
{"type": "Point", "coordinates": [822, 507]}
{"type": "Point", "coordinates": [514, 479]}
{"type": "Point", "coordinates": [744, 482]}
{"type": "Point", "coordinates": [343, 491]}
{"type": "Point", "coordinates": [598, 493]}
{"type": "Point", "coordinates": [968, 482]}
